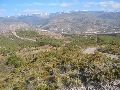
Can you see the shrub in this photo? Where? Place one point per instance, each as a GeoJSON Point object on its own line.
{"type": "Point", "coordinates": [15, 61]}
{"type": "Point", "coordinates": [44, 87]}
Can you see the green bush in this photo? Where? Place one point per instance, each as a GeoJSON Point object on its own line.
{"type": "Point", "coordinates": [44, 87]}
{"type": "Point", "coordinates": [15, 61]}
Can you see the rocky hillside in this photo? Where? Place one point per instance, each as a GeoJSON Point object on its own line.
{"type": "Point", "coordinates": [84, 22]}
{"type": "Point", "coordinates": [66, 22]}
{"type": "Point", "coordinates": [6, 26]}
{"type": "Point", "coordinates": [32, 60]}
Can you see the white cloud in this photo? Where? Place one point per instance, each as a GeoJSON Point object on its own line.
{"type": "Point", "coordinates": [32, 11]}
{"type": "Point", "coordinates": [2, 10]}
{"type": "Point", "coordinates": [50, 4]}
{"type": "Point", "coordinates": [89, 4]}
{"type": "Point", "coordinates": [53, 4]}
{"type": "Point", "coordinates": [47, 4]}
{"type": "Point", "coordinates": [66, 4]}
{"type": "Point", "coordinates": [15, 10]}
{"type": "Point", "coordinates": [75, 2]}
{"type": "Point", "coordinates": [39, 4]}
{"type": "Point", "coordinates": [110, 4]}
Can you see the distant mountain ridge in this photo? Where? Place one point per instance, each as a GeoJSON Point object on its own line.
{"type": "Point", "coordinates": [72, 22]}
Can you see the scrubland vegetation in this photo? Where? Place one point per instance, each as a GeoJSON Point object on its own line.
{"type": "Point", "coordinates": [50, 64]}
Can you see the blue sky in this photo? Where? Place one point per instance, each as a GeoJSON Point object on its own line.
{"type": "Point", "coordinates": [24, 7]}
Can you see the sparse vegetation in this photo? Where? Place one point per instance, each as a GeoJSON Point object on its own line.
{"type": "Point", "coordinates": [57, 63]}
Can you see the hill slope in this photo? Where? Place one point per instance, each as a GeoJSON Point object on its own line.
{"type": "Point", "coordinates": [54, 64]}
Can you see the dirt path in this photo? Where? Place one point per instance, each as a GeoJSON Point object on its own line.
{"type": "Point", "coordinates": [14, 33]}
{"type": "Point", "coordinates": [33, 50]}
{"type": "Point", "coordinates": [89, 50]}
{"type": "Point", "coordinates": [93, 49]}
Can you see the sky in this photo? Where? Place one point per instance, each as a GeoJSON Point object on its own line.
{"type": "Point", "coordinates": [25, 7]}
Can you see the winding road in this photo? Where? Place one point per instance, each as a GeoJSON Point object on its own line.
{"type": "Point", "coordinates": [14, 33]}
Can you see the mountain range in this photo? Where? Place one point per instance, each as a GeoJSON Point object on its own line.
{"type": "Point", "coordinates": [70, 22]}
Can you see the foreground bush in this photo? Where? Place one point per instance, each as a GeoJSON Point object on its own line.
{"type": "Point", "coordinates": [15, 61]}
